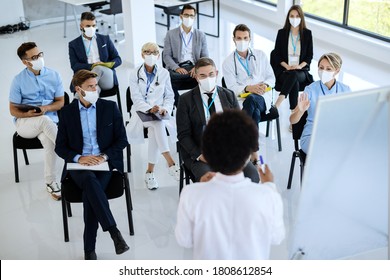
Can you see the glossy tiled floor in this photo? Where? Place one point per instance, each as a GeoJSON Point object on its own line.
{"type": "Point", "coordinates": [31, 224]}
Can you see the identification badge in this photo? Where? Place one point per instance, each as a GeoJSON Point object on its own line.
{"type": "Point", "coordinates": [293, 60]}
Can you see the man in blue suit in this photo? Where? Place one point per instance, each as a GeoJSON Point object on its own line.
{"type": "Point", "coordinates": [91, 132]}
{"type": "Point", "coordinates": [90, 50]}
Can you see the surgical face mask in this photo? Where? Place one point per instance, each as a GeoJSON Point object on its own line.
{"type": "Point", "coordinates": [150, 60]}
{"type": "Point", "coordinates": [326, 76]}
{"type": "Point", "coordinates": [89, 31]}
{"type": "Point", "coordinates": [188, 22]}
{"type": "Point", "coordinates": [295, 21]}
{"type": "Point", "coordinates": [38, 64]}
{"type": "Point", "coordinates": [242, 45]}
{"type": "Point", "coordinates": [208, 84]}
{"type": "Point", "coordinates": [91, 96]}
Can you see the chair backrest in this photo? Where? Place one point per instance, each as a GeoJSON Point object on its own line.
{"type": "Point", "coordinates": [116, 6]}
{"type": "Point", "coordinates": [223, 82]}
{"type": "Point", "coordinates": [129, 102]}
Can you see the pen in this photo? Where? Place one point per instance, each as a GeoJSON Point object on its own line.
{"type": "Point", "coordinates": [262, 163]}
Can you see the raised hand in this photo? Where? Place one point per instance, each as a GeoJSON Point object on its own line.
{"type": "Point", "coordinates": [303, 102]}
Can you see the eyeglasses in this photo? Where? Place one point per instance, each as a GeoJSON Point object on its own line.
{"type": "Point", "coordinates": [35, 57]}
{"type": "Point", "coordinates": [188, 16]}
{"type": "Point", "coordinates": [151, 52]}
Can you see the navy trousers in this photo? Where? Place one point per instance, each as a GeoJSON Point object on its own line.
{"type": "Point", "coordinates": [96, 207]}
{"type": "Point", "coordinates": [254, 105]}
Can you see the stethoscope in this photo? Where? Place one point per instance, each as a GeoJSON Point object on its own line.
{"type": "Point", "coordinates": [142, 79]}
{"type": "Point", "coordinates": [248, 59]}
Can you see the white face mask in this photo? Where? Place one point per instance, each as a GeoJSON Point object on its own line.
{"type": "Point", "coordinates": [151, 59]}
{"type": "Point", "coordinates": [242, 45]}
{"type": "Point", "coordinates": [188, 22]}
{"type": "Point", "coordinates": [295, 21]}
{"type": "Point", "coordinates": [91, 96]}
{"type": "Point", "coordinates": [38, 64]}
{"type": "Point", "coordinates": [208, 84]}
{"type": "Point", "coordinates": [90, 31]}
{"type": "Point", "coordinates": [326, 76]}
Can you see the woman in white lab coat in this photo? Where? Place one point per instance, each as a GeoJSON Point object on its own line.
{"type": "Point", "coordinates": [151, 93]}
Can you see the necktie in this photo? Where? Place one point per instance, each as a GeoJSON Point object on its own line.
{"type": "Point", "coordinates": [212, 107]}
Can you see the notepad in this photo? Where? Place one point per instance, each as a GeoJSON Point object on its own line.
{"type": "Point", "coordinates": [26, 107]}
{"type": "Point", "coordinates": [77, 166]}
{"type": "Point", "coordinates": [105, 64]}
{"type": "Point", "coordinates": [245, 94]}
{"type": "Point", "coordinates": [148, 117]}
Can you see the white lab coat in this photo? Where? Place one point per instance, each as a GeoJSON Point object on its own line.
{"type": "Point", "coordinates": [236, 77]}
{"type": "Point", "coordinates": [160, 93]}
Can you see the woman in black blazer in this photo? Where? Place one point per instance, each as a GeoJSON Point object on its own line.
{"type": "Point", "coordinates": [292, 56]}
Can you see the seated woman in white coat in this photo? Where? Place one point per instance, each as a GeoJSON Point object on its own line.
{"type": "Point", "coordinates": [151, 92]}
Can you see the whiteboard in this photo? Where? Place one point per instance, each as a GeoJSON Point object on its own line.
{"type": "Point", "coordinates": [343, 206]}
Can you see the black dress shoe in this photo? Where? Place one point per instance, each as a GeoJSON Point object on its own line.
{"type": "Point", "coordinates": [90, 255]}
{"type": "Point", "coordinates": [119, 243]}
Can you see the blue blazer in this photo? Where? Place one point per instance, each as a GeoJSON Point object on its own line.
{"type": "Point", "coordinates": [107, 52]}
{"type": "Point", "coordinates": [110, 132]}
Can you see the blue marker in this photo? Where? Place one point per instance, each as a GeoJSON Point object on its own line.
{"type": "Point", "coordinates": [262, 163]}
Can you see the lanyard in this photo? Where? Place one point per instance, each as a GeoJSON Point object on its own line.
{"type": "Point", "coordinates": [211, 103]}
{"type": "Point", "coordinates": [149, 80]}
{"type": "Point", "coordinates": [323, 92]}
{"type": "Point", "coordinates": [246, 67]}
{"type": "Point", "coordinates": [294, 45]}
{"type": "Point", "coordinates": [184, 41]}
{"type": "Point", "coordinates": [89, 48]}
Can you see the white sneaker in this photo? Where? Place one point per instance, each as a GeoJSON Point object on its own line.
{"type": "Point", "coordinates": [151, 182]}
{"type": "Point", "coordinates": [54, 189]}
{"type": "Point", "coordinates": [174, 171]}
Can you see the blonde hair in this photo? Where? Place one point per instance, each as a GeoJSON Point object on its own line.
{"type": "Point", "coordinates": [150, 46]}
{"type": "Point", "coordinates": [334, 60]}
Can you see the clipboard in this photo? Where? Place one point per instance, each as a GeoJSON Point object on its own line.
{"type": "Point", "coordinates": [26, 107]}
{"type": "Point", "coordinates": [148, 117]}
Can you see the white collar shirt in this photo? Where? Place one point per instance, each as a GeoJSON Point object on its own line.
{"type": "Point", "coordinates": [91, 50]}
{"type": "Point", "coordinates": [230, 217]}
{"type": "Point", "coordinates": [186, 45]}
{"type": "Point", "coordinates": [205, 100]}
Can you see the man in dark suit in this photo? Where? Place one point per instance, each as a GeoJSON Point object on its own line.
{"type": "Point", "coordinates": [193, 112]}
{"type": "Point", "coordinates": [91, 132]}
{"type": "Point", "coordinates": [90, 50]}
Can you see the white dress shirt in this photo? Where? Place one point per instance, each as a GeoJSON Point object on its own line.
{"type": "Point", "coordinates": [205, 100]}
{"type": "Point", "coordinates": [91, 50]}
{"type": "Point", "coordinates": [186, 45]}
{"type": "Point", "coordinates": [230, 217]}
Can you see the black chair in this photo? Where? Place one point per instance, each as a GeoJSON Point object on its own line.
{"type": "Point", "coordinates": [297, 130]}
{"type": "Point", "coordinates": [272, 115]}
{"type": "Point", "coordinates": [112, 92]}
{"type": "Point", "coordinates": [18, 142]}
{"type": "Point", "coordinates": [70, 193]}
{"type": "Point", "coordinates": [115, 9]}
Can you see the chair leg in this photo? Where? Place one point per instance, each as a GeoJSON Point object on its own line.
{"type": "Point", "coordinates": [69, 208]}
{"type": "Point", "coordinates": [128, 153]}
{"type": "Point", "coordinates": [181, 178]}
{"type": "Point", "coordinates": [25, 157]}
{"type": "Point", "coordinates": [267, 129]}
{"type": "Point", "coordinates": [65, 219]}
{"type": "Point", "coordinates": [290, 176]}
{"type": "Point", "coordinates": [129, 204]}
{"type": "Point", "coordinates": [302, 165]}
{"type": "Point", "coordinates": [278, 133]}
{"type": "Point", "coordinates": [16, 168]}
{"type": "Point", "coordinates": [118, 96]}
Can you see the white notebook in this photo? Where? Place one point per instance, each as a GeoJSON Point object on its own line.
{"type": "Point", "coordinates": [77, 166]}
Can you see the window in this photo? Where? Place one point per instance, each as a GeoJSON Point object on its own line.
{"type": "Point", "coordinates": [272, 2]}
{"type": "Point", "coordinates": [370, 17]}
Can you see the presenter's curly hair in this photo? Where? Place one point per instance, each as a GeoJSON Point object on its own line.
{"type": "Point", "coordinates": [228, 140]}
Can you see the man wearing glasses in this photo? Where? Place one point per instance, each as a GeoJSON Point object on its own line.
{"type": "Point", "coordinates": [42, 88]}
{"type": "Point", "coordinates": [183, 46]}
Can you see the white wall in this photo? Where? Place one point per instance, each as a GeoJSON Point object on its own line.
{"type": "Point", "coordinates": [11, 15]}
